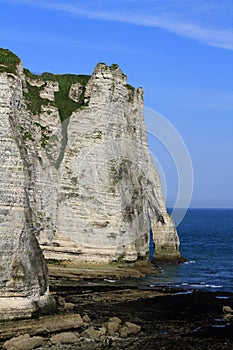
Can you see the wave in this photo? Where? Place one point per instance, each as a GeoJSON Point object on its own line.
{"type": "Point", "coordinates": [189, 262]}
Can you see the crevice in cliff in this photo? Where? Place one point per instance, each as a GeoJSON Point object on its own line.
{"type": "Point", "coordinates": [67, 94]}
{"type": "Point", "coordinates": [65, 124]}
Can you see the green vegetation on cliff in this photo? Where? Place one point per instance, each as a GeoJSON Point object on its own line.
{"type": "Point", "coordinates": [33, 99]}
{"type": "Point", "coordinates": [8, 61]}
{"type": "Point", "coordinates": [65, 105]}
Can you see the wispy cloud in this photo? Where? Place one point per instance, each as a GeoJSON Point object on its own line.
{"type": "Point", "coordinates": [53, 40]}
{"type": "Point", "coordinates": [165, 19]}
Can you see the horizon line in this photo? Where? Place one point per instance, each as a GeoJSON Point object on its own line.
{"type": "Point", "coordinates": [182, 208]}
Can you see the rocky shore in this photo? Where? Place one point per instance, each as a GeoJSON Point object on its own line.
{"type": "Point", "coordinates": [99, 315]}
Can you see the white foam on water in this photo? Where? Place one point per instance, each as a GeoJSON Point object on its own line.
{"type": "Point", "coordinates": [198, 286]}
{"type": "Point", "coordinates": [110, 281]}
{"type": "Point", "coordinates": [184, 293]}
{"type": "Point", "coordinates": [223, 297]}
{"type": "Point", "coordinates": [189, 262]}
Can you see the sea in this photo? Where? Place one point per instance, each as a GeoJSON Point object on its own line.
{"type": "Point", "coordinates": [206, 241]}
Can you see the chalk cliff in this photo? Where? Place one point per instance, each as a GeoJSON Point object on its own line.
{"type": "Point", "coordinates": [23, 273]}
{"type": "Point", "coordinates": [76, 174]}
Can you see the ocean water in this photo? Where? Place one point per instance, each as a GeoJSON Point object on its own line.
{"type": "Point", "coordinates": [206, 237]}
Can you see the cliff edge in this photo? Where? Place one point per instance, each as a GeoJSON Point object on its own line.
{"type": "Point", "coordinates": [76, 175]}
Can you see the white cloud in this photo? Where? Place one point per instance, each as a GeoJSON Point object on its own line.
{"type": "Point", "coordinates": [166, 18]}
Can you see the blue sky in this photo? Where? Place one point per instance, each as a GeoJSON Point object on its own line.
{"type": "Point", "coordinates": [179, 51]}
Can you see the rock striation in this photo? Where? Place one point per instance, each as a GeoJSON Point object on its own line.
{"type": "Point", "coordinates": [76, 175]}
{"type": "Point", "coordinates": [23, 272]}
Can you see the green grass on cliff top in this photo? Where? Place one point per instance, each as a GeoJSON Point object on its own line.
{"type": "Point", "coordinates": [8, 61]}
{"type": "Point", "coordinates": [65, 105]}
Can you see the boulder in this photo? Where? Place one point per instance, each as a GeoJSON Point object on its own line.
{"type": "Point", "coordinates": [86, 319]}
{"type": "Point", "coordinates": [227, 310]}
{"type": "Point", "coordinates": [129, 329]}
{"type": "Point", "coordinates": [61, 323]}
{"type": "Point", "coordinates": [91, 333]}
{"type": "Point", "coordinates": [228, 313]}
{"type": "Point", "coordinates": [113, 326]}
{"type": "Point", "coordinates": [65, 338]}
{"type": "Point", "coordinates": [23, 342]}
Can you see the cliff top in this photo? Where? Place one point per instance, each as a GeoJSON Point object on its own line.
{"type": "Point", "coordinates": [61, 84]}
{"type": "Point", "coordinates": [62, 100]}
{"type": "Point", "coordinates": [8, 61]}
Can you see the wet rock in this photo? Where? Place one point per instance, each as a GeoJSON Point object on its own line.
{"type": "Point", "coordinates": [86, 319]}
{"type": "Point", "coordinates": [65, 338]}
{"type": "Point", "coordinates": [169, 321]}
{"type": "Point", "coordinates": [113, 326]}
{"type": "Point", "coordinates": [69, 306]}
{"type": "Point", "coordinates": [103, 331]}
{"type": "Point", "coordinates": [23, 342]}
{"type": "Point", "coordinates": [129, 329]}
{"type": "Point", "coordinates": [64, 322]}
{"type": "Point", "coordinates": [227, 310]}
{"type": "Point", "coordinates": [227, 313]}
{"type": "Point", "coordinates": [91, 333]}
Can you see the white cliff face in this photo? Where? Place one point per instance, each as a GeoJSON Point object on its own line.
{"type": "Point", "coordinates": [23, 273]}
{"type": "Point", "coordinates": [108, 184]}
{"type": "Point", "coordinates": [87, 186]}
